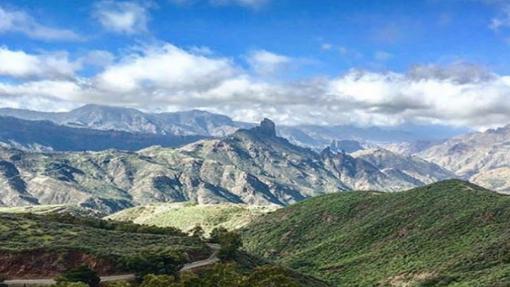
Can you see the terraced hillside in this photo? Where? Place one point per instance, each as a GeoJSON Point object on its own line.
{"type": "Point", "coordinates": [449, 233]}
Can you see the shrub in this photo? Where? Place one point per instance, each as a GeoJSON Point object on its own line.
{"type": "Point", "coordinates": [80, 274]}
{"type": "Point", "coordinates": [230, 242]}
{"type": "Point", "coordinates": [157, 262]}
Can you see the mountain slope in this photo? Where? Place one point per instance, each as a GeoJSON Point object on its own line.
{"type": "Point", "coordinates": [451, 232]}
{"type": "Point", "coordinates": [251, 166]}
{"type": "Point", "coordinates": [482, 157]}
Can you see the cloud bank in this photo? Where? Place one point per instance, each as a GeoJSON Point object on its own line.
{"type": "Point", "coordinates": [166, 77]}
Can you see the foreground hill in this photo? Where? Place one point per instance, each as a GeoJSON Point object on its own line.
{"type": "Point", "coordinates": [251, 166]}
{"type": "Point", "coordinates": [451, 232]}
{"type": "Point", "coordinates": [44, 245]}
{"type": "Point", "coordinates": [185, 216]}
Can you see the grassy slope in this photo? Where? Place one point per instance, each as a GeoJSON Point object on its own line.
{"type": "Point", "coordinates": [450, 231]}
{"type": "Point", "coordinates": [29, 233]}
{"type": "Point", "coordinates": [186, 216]}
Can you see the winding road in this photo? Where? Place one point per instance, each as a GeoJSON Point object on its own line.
{"type": "Point", "coordinates": [213, 258]}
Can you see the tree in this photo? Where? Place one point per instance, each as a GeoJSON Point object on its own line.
{"type": "Point", "coordinates": [156, 262]}
{"type": "Point", "coordinates": [197, 232]}
{"type": "Point", "coordinates": [83, 274]}
{"type": "Point", "coordinates": [217, 233]}
{"type": "Point", "coordinates": [230, 242]}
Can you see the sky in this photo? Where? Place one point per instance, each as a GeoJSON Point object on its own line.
{"type": "Point", "coordinates": [368, 63]}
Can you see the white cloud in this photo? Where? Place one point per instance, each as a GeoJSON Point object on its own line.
{"type": "Point", "coordinates": [266, 63]}
{"type": "Point", "coordinates": [166, 67]}
{"type": "Point", "coordinates": [122, 17]}
{"type": "Point", "coordinates": [167, 77]}
{"type": "Point", "coordinates": [18, 21]}
{"type": "Point", "coordinates": [19, 64]}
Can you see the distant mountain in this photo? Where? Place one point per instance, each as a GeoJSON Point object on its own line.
{"type": "Point", "coordinates": [380, 169]}
{"type": "Point", "coordinates": [251, 166]}
{"type": "Point", "coordinates": [481, 157]}
{"type": "Point", "coordinates": [317, 136]}
{"type": "Point", "coordinates": [205, 124]}
{"type": "Point", "coordinates": [450, 233]}
{"type": "Point", "coordinates": [130, 120]}
{"type": "Point", "coordinates": [48, 136]}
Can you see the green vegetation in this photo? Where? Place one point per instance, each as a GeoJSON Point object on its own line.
{"type": "Point", "coordinates": [80, 274]}
{"type": "Point", "coordinates": [230, 275]}
{"type": "Point", "coordinates": [450, 233]}
{"type": "Point", "coordinates": [59, 240]}
{"type": "Point", "coordinates": [185, 216]}
{"type": "Point", "coordinates": [230, 242]}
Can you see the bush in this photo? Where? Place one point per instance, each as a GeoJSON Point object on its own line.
{"type": "Point", "coordinates": [158, 262]}
{"type": "Point", "coordinates": [80, 274]}
{"type": "Point", "coordinates": [217, 233]}
{"type": "Point", "coordinates": [230, 242]}
{"type": "Point", "coordinates": [197, 232]}
{"type": "Point", "coordinates": [152, 280]}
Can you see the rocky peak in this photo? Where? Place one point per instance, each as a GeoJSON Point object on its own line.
{"type": "Point", "coordinates": [266, 128]}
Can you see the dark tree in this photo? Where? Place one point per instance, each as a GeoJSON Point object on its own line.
{"type": "Point", "coordinates": [83, 274]}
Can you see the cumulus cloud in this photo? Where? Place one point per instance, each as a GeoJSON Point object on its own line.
{"type": "Point", "coordinates": [266, 63]}
{"type": "Point", "coordinates": [19, 64]}
{"type": "Point", "coordinates": [122, 17]}
{"type": "Point", "coordinates": [459, 94]}
{"type": "Point", "coordinates": [18, 21]}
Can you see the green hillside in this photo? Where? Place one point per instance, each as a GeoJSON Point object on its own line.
{"type": "Point", "coordinates": [34, 244]}
{"type": "Point", "coordinates": [449, 233]}
{"type": "Point", "coordinates": [187, 215]}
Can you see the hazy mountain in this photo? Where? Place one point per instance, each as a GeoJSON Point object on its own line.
{"type": "Point", "coordinates": [131, 120]}
{"type": "Point", "coordinates": [207, 124]}
{"type": "Point", "coordinates": [450, 233]}
{"type": "Point", "coordinates": [251, 166]}
{"type": "Point", "coordinates": [45, 135]}
{"type": "Point", "coordinates": [321, 136]}
{"type": "Point", "coordinates": [481, 157]}
{"type": "Point", "coordinates": [380, 169]}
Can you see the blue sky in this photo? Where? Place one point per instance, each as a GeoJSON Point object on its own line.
{"type": "Point", "coordinates": [331, 35]}
{"type": "Point", "coordinates": [367, 62]}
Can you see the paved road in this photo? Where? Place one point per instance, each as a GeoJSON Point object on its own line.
{"type": "Point", "coordinates": [190, 266]}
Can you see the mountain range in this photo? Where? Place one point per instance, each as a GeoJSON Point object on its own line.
{"type": "Point", "coordinates": [179, 126]}
{"type": "Point", "coordinates": [251, 166]}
